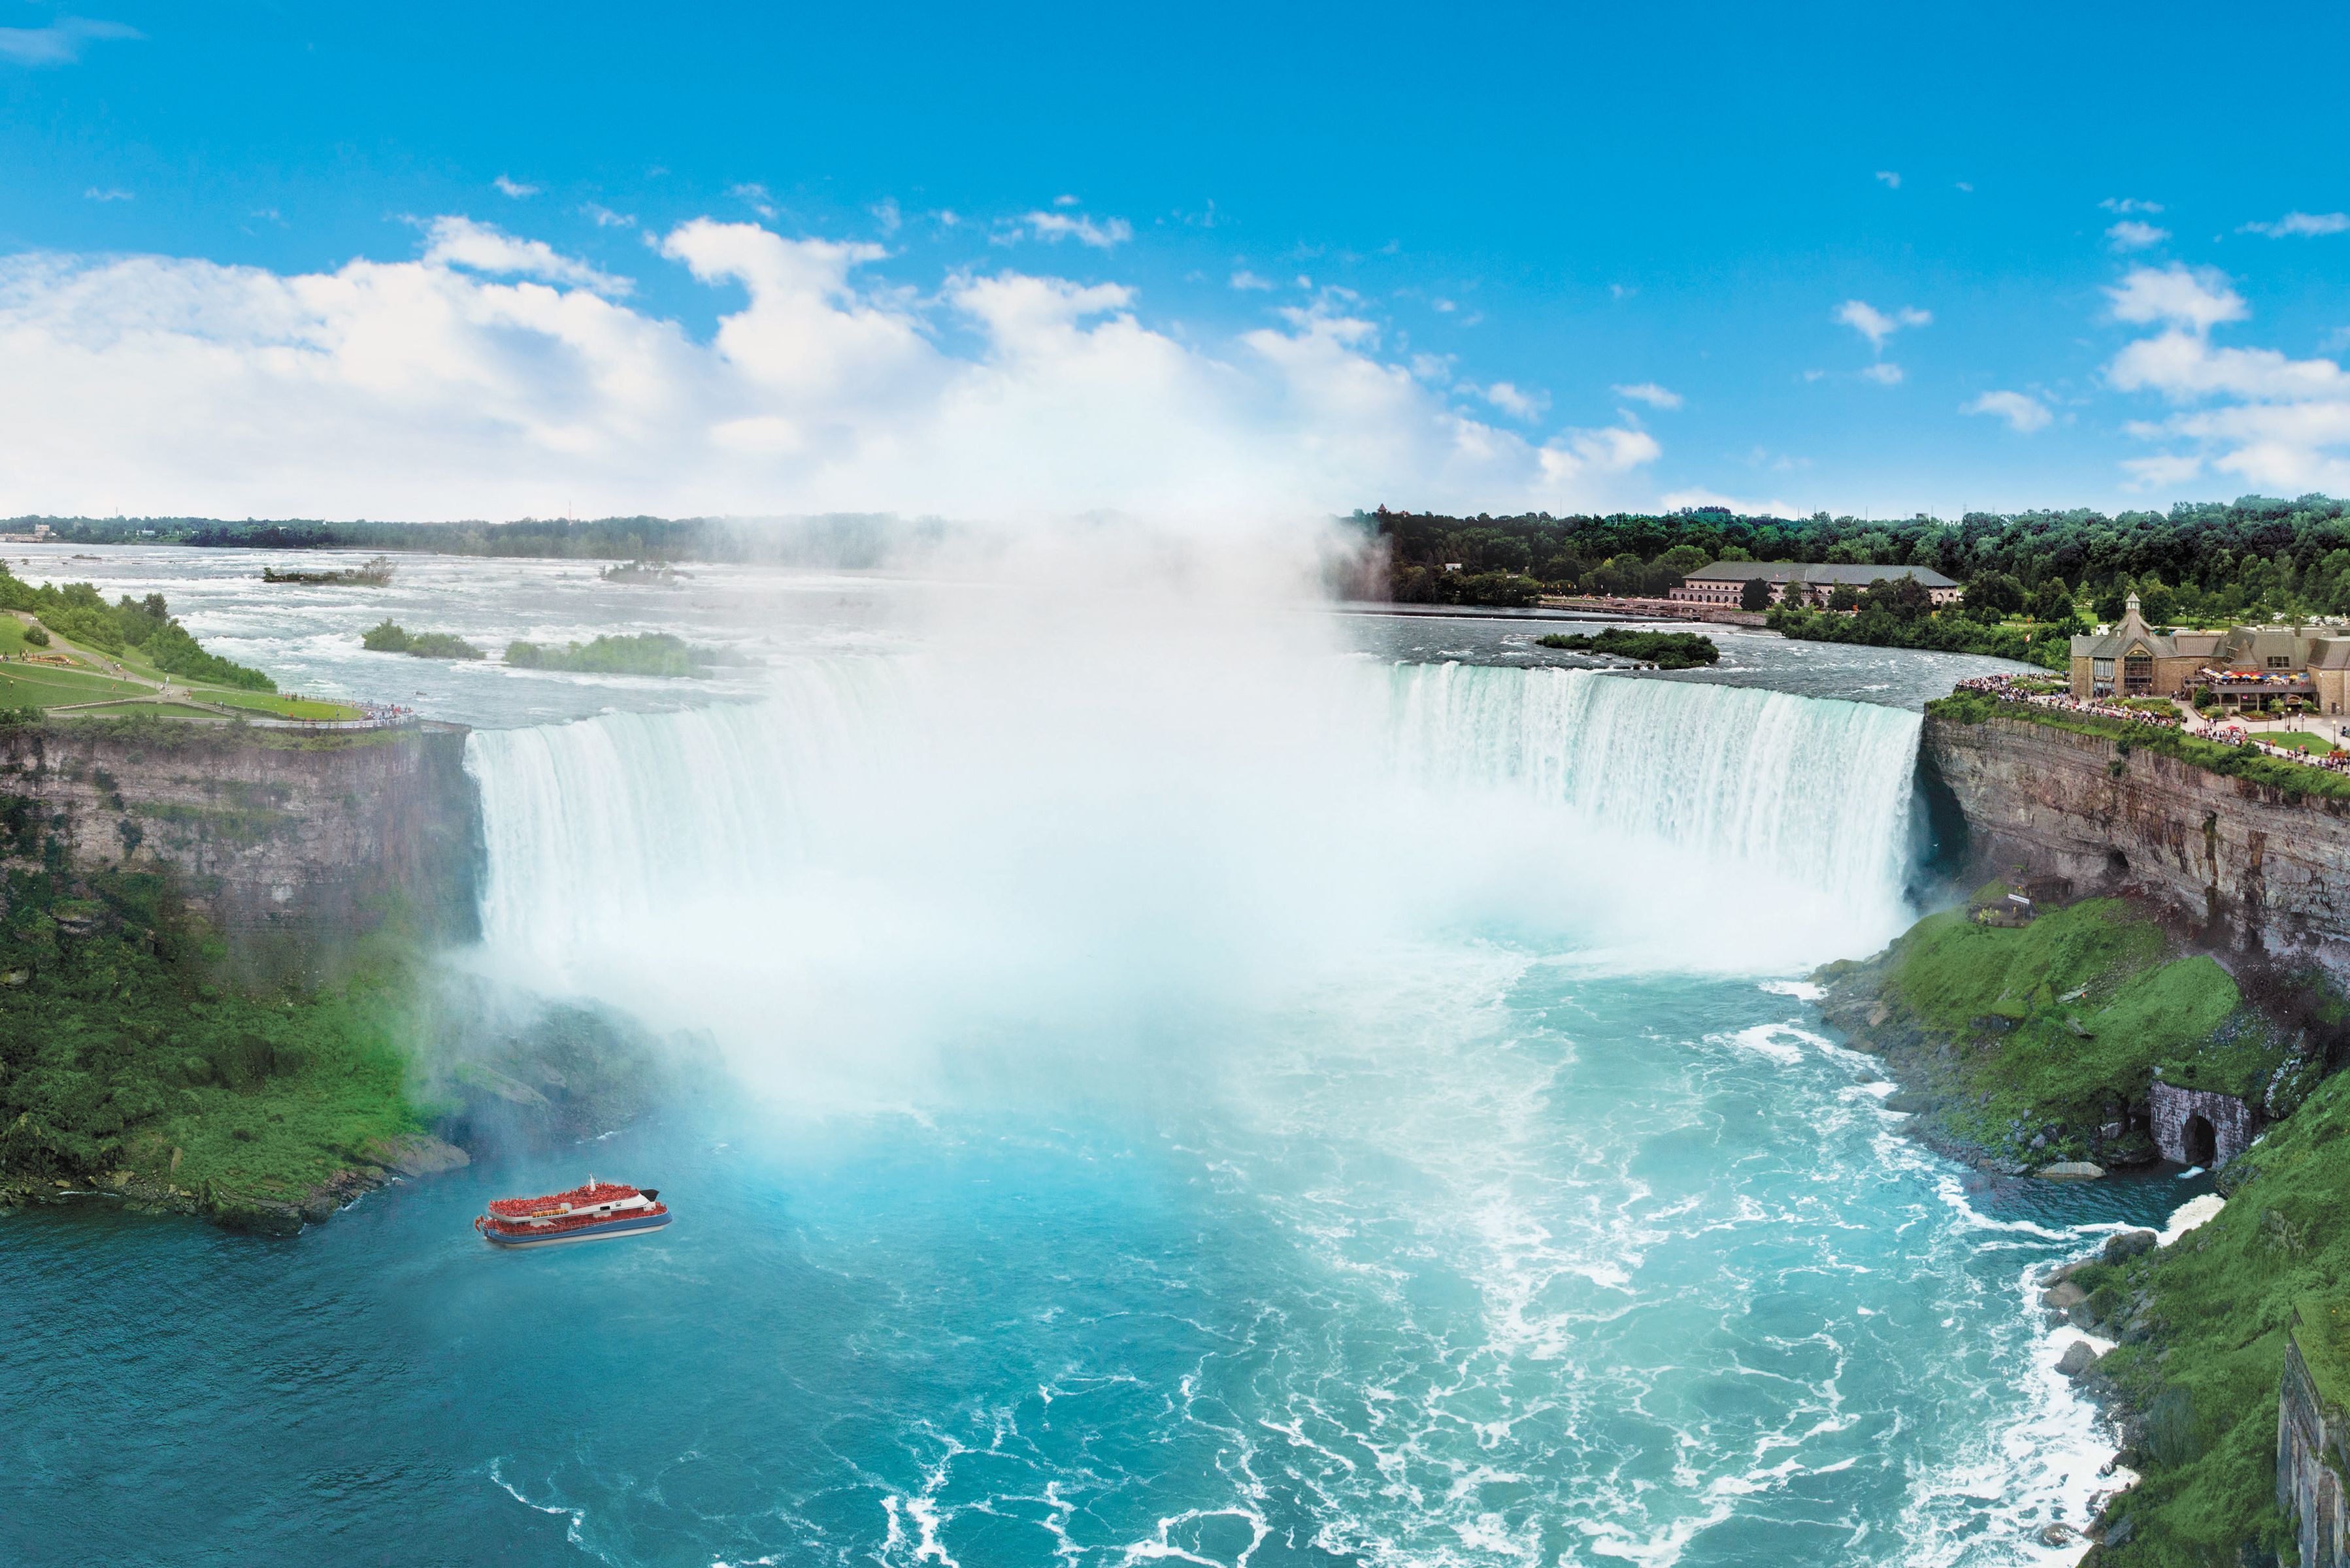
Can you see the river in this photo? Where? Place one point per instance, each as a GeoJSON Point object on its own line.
{"type": "Point", "coordinates": [1342, 1092]}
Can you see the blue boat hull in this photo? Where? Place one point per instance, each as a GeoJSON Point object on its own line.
{"type": "Point", "coordinates": [627, 1225]}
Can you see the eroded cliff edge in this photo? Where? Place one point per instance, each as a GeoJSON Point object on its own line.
{"type": "Point", "coordinates": [286, 841]}
{"type": "Point", "coordinates": [2247, 865]}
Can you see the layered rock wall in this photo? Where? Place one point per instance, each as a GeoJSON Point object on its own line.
{"type": "Point", "coordinates": [2240, 859]}
{"type": "Point", "coordinates": [2310, 1455]}
{"type": "Point", "coordinates": [270, 833]}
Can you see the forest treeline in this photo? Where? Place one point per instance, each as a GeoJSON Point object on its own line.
{"type": "Point", "coordinates": [848, 541]}
{"type": "Point", "coordinates": [2208, 560]}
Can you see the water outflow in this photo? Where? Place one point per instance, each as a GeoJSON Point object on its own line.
{"type": "Point", "coordinates": [888, 848]}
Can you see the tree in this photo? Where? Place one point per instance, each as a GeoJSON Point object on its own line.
{"type": "Point", "coordinates": [1683, 559]}
{"type": "Point", "coordinates": [2051, 601]}
{"type": "Point", "coordinates": [1844, 597]}
{"type": "Point", "coordinates": [1993, 596]}
{"type": "Point", "coordinates": [1754, 596]}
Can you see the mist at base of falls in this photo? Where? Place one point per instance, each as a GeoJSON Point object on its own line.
{"type": "Point", "coordinates": [902, 878]}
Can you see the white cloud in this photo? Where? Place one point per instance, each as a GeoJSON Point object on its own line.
{"type": "Point", "coordinates": [605, 218]}
{"type": "Point", "coordinates": [2197, 300]}
{"type": "Point", "coordinates": [1892, 180]}
{"type": "Point", "coordinates": [2130, 234]}
{"type": "Point", "coordinates": [2161, 473]}
{"type": "Point", "coordinates": [492, 377]}
{"type": "Point", "coordinates": [461, 242]}
{"type": "Point", "coordinates": [1648, 392]}
{"type": "Point", "coordinates": [107, 193]}
{"type": "Point", "coordinates": [2274, 422]}
{"type": "Point", "coordinates": [1674, 500]}
{"type": "Point", "coordinates": [1058, 226]}
{"type": "Point", "coordinates": [508, 186]}
{"type": "Point", "coordinates": [2303, 225]}
{"type": "Point", "coordinates": [1885, 373]}
{"type": "Point", "coordinates": [2023, 412]}
{"type": "Point", "coordinates": [60, 43]}
{"type": "Point", "coordinates": [1967, 188]}
{"type": "Point", "coordinates": [1506, 397]}
{"type": "Point", "coordinates": [1876, 325]}
{"type": "Point", "coordinates": [756, 197]}
{"type": "Point", "coordinates": [1247, 279]}
{"type": "Point", "coordinates": [2125, 205]}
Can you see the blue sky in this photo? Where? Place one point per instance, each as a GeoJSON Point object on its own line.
{"type": "Point", "coordinates": [1858, 259]}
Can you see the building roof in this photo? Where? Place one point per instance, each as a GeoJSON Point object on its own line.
{"type": "Point", "coordinates": [2127, 633]}
{"type": "Point", "coordinates": [1777, 572]}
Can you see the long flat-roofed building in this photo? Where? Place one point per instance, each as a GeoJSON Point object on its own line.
{"type": "Point", "coordinates": [1725, 581]}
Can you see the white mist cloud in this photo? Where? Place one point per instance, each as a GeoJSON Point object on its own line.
{"type": "Point", "coordinates": [507, 185]}
{"type": "Point", "coordinates": [2196, 299]}
{"type": "Point", "coordinates": [492, 376]}
{"type": "Point", "coordinates": [461, 242]}
{"type": "Point", "coordinates": [1056, 227]}
{"type": "Point", "coordinates": [2130, 234]}
{"type": "Point", "coordinates": [2303, 225]}
{"type": "Point", "coordinates": [2272, 421]}
{"type": "Point", "coordinates": [1877, 325]}
{"type": "Point", "coordinates": [1648, 392]}
{"type": "Point", "coordinates": [2023, 412]}
{"type": "Point", "coordinates": [1885, 373]}
{"type": "Point", "coordinates": [2125, 205]}
{"type": "Point", "coordinates": [1891, 179]}
{"type": "Point", "coordinates": [1517, 404]}
{"type": "Point", "coordinates": [60, 43]}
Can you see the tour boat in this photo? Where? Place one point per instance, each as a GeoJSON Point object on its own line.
{"type": "Point", "coordinates": [589, 1213]}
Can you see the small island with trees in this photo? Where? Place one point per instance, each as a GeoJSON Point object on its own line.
{"type": "Point", "coordinates": [647, 653]}
{"type": "Point", "coordinates": [1665, 650]}
{"type": "Point", "coordinates": [389, 637]}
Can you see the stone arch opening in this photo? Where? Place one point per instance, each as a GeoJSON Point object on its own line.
{"type": "Point", "coordinates": [2199, 1141]}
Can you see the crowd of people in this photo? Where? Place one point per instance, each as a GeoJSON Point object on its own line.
{"type": "Point", "coordinates": [2228, 730]}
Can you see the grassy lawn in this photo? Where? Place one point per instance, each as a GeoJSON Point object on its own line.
{"type": "Point", "coordinates": [277, 704]}
{"type": "Point", "coordinates": [283, 706]}
{"type": "Point", "coordinates": [2294, 739]}
{"type": "Point", "coordinates": [46, 685]}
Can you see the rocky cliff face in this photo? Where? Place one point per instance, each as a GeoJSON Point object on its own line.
{"type": "Point", "coordinates": [2310, 1452]}
{"type": "Point", "coordinates": [2250, 866]}
{"type": "Point", "coordinates": [272, 833]}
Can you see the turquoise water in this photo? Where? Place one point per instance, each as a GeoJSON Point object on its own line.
{"type": "Point", "coordinates": [1369, 1117]}
{"type": "Point", "coordinates": [1610, 1270]}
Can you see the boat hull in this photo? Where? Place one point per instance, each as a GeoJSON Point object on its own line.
{"type": "Point", "coordinates": [603, 1230]}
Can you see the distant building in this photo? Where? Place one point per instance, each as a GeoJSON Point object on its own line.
{"type": "Point", "coordinates": [1725, 581]}
{"type": "Point", "coordinates": [2243, 667]}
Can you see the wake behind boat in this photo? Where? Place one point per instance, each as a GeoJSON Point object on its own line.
{"type": "Point", "coordinates": [589, 1213]}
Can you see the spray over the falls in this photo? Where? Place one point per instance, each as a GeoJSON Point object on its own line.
{"type": "Point", "coordinates": [889, 856]}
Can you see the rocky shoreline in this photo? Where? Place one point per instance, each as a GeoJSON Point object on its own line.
{"type": "Point", "coordinates": [272, 1213]}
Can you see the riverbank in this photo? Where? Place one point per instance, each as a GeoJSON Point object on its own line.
{"type": "Point", "coordinates": [2072, 1040]}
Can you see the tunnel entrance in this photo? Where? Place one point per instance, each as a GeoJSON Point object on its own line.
{"type": "Point", "coordinates": [2199, 1142]}
{"type": "Point", "coordinates": [2116, 862]}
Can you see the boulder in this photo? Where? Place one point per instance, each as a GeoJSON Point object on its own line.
{"type": "Point", "coordinates": [2078, 1357]}
{"type": "Point", "coordinates": [2071, 1170]}
{"type": "Point", "coordinates": [1908, 1102]}
{"type": "Point", "coordinates": [418, 1154]}
{"type": "Point", "coordinates": [2129, 1244]}
{"type": "Point", "coordinates": [2062, 1296]}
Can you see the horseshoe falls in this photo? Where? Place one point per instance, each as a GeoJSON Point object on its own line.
{"type": "Point", "coordinates": [1369, 1115]}
{"type": "Point", "coordinates": [1378, 1125]}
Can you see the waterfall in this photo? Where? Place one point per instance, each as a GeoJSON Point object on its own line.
{"type": "Point", "coordinates": [1745, 781]}
{"type": "Point", "coordinates": [891, 849]}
